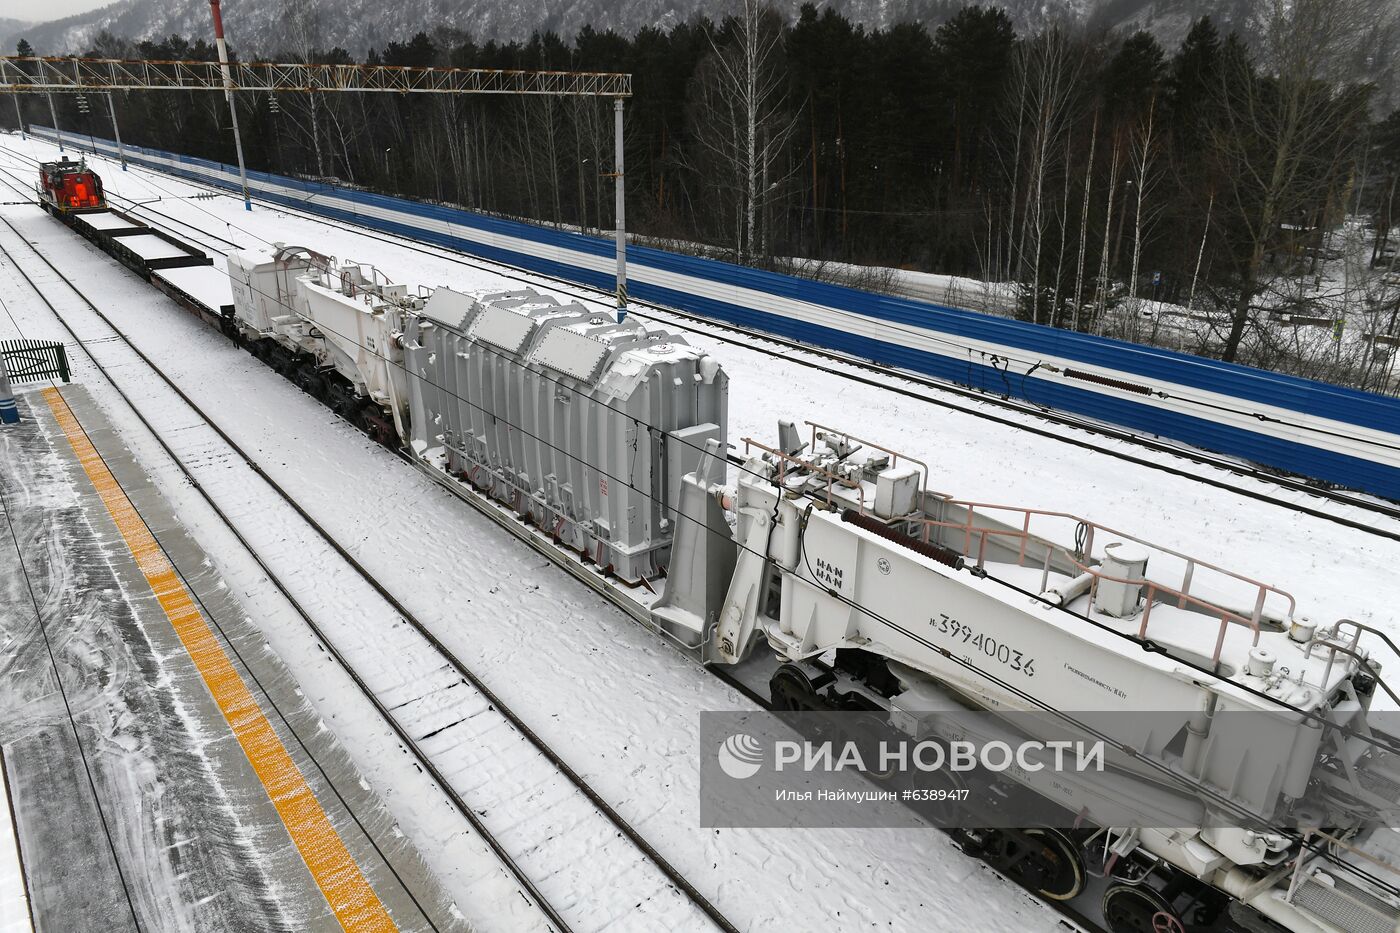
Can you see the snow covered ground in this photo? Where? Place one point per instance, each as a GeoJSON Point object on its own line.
{"type": "Point", "coordinates": [959, 446]}
{"type": "Point", "coordinates": [138, 807]}
{"type": "Point", "coordinates": [517, 793]}
{"type": "Point", "coordinates": [451, 844]}
{"type": "Point", "coordinates": [616, 701]}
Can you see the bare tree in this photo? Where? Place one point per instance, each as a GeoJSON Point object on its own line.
{"type": "Point", "coordinates": [1055, 304]}
{"type": "Point", "coordinates": [1048, 68]}
{"type": "Point", "coordinates": [1084, 218]}
{"type": "Point", "coordinates": [1144, 148]}
{"type": "Point", "coordinates": [1287, 131]}
{"type": "Point", "coordinates": [1200, 252]}
{"type": "Point", "coordinates": [550, 130]}
{"type": "Point", "coordinates": [303, 26]}
{"type": "Point", "coordinates": [742, 122]}
{"type": "Point", "coordinates": [1115, 163]}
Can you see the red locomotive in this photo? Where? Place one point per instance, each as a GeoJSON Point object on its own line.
{"type": "Point", "coordinates": [66, 186]}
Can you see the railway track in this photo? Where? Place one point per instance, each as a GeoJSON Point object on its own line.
{"type": "Point", "coordinates": [783, 348]}
{"type": "Point", "coordinates": [572, 800]}
{"type": "Point", "coordinates": [1066, 911]}
{"type": "Point", "coordinates": [1040, 421]}
{"type": "Point", "coordinates": [1071, 917]}
{"type": "Point", "coordinates": [1378, 507]}
{"type": "Point", "coordinates": [228, 642]}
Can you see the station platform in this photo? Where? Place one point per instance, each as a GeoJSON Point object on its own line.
{"type": "Point", "coordinates": [162, 770]}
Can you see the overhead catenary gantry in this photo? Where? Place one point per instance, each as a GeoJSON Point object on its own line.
{"type": "Point", "coordinates": [73, 75]}
{"type": "Point", "coordinates": [76, 75]}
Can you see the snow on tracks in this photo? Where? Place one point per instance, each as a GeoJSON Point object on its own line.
{"type": "Point", "coordinates": [577, 859]}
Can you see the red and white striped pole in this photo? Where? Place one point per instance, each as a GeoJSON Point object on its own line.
{"type": "Point", "coordinates": [228, 93]}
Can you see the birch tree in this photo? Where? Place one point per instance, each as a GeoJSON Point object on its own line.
{"type": "Point", "coordinates": [303, 25]}
{"type": "Point", "coordinates": [741, 117]}
{"type": "Point", "coordinates": [1084, 219]}
{"type": "Point", "coordinates": [1144, 149]}
{"type": "Point", "coordinates": [1048, 69]}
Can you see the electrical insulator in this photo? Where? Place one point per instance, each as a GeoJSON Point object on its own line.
{"type": "Point", "coordinates": [82, 103]}
{"type": "Point", "coordinates": [272, 105]}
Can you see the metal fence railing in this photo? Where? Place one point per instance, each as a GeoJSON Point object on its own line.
{"type": "Point", "coordinates": [34, 360]}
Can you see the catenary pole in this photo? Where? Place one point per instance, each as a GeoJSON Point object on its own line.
{"type": "Point", "coordinates": [620, 209]}
{"type": "Point", "coordinates": [53, 115]}
{"type": "Point", "coordinates": [116, 131]}
{"type": "Point", "coordinates": [19, 117]}
{"type": "Point", "coordinates": [228, 93]}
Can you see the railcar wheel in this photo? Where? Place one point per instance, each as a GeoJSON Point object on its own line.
{"type": "Point", "coordinates": [341, 399]}
{"type": "Point", "coordinates": [380, 428]}
{"type": "Point", "coordinates": [1129, 908]}
{"type": "Point", "coordinates": [864, 725]}
{"type": "Point", "coordinates": [791, 691]}
{"type": "Point", "coordinates": [1062, 868]}
{"type": "Point", "coordinates": [1051, 867]}
{"type": "Point", "coordinates": [310, 381]}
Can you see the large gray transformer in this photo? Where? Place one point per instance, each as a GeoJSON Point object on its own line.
{"type": "Point", "coordinates": [583, 425]}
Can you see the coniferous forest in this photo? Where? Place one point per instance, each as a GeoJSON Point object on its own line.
{"type": "Point", "coordinates": [1232, 195]}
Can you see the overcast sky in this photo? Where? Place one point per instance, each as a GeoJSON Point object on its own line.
{"type": "Point", "coordinates": [41, 11]}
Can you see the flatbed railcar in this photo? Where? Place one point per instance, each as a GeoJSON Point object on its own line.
{"type": "Point", "coordinates": [603, 445]}
{"type": "Point", "coordinates": [181, 271]}
{"type": "Point", "coordinates": [140, 247]}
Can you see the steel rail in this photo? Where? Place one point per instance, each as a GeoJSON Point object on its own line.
{"type": "Point", "coordinates": [673, 875]}
{"type": "Point", "coordinates": [754, 339]}
{"type": "Point", "coordinates": [455, 256]}
{"type": "Point", "coordinates": [212, 617]}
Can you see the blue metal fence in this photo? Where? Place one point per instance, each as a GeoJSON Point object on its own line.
{"type": "Point", "coordinates": [1302, 426]}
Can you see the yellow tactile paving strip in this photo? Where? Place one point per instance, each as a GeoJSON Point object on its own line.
{"type": "Point", "coordinates": [347, 890]}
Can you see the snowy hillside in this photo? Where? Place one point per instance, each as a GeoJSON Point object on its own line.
{"type": "Point", "coordinates": [12, 27]}
{"type": "Point", "coordinates": [261, 26]}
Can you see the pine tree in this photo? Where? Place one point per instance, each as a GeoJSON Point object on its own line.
{"type": "Point", "coordinates": [1194, 80]}
{"type": "Point", "coordinates": [974, 55]}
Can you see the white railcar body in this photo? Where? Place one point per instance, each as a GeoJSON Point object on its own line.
{"type": "Point", "coordinates": [603, 444]}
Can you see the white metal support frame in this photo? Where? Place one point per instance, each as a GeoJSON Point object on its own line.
{"type": "Point", "coordinates": [620, 206]}
{"type": "Point", "coordinates": [103, 74]}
